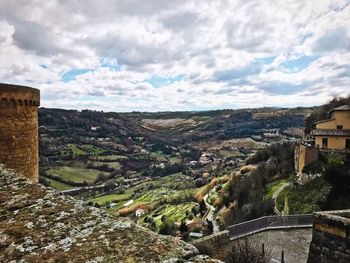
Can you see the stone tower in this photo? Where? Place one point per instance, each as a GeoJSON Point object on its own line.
{"type": "Point", "coordinates": [19, 129]}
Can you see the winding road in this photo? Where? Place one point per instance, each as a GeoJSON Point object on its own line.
{"type": "Point", "coordinates": [276, 194]}
{"type": "Point", "coordinates": [210, 214]}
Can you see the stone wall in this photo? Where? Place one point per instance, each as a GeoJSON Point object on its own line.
{"type": "Point", "coordinates": [330, 237]}
{"type": "Point", "coordinates": [303, 156]}
{"type": "Point", "coordinates": [19, 129]}
{"type": "Point", "coordinates": [215, 240]}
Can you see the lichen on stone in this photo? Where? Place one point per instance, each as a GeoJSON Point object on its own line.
{"type": "Point", "coordinates": [38, 224]}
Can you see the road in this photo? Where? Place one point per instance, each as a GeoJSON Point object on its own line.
{"type": "Point", "coordinates": [276, 194]}
{"type": "Point", "coordinates": [210, 215]}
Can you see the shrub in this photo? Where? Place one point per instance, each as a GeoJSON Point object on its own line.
{"type": "Point", "coordinates": [241, 251]}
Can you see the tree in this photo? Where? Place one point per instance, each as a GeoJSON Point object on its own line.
{"type": "Point", "coordinates": [183, 227]}
{"type": "Point", "coordinates": [210, 227]}
{"type": "Point", "coordinates": [167, 227]}
{"type": "Point", "coordinates": [202, 207]}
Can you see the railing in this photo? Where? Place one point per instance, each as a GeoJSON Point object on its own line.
{"type": "Point", "coordinates": [268, 223]}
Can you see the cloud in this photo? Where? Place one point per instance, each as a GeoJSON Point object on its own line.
{"type": "Point", "coordinates": [176, 55]}
{"type": "Point", "coordinates": [334, 39]}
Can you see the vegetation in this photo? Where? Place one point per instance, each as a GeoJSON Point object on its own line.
{"type": "Point", "coordinates": [245, 196]}
{"type": "Point", "coordinates": [55, 184]}
{"type": "Point", "coordinates": [241, 251]}
{"type": "Point", "coordinates": [304, 199]}
{"type": "Point", "coordinates": [106, 199]}
{"type": "Point", "coordinates": [154, 159]}
{"type": "Point", "coordinates": [272, 187]}
{"type": "Point", "coordinates": [74, 174]}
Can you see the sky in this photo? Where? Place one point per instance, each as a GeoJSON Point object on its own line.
{"type": "Point", "coordinates": [162, 55]}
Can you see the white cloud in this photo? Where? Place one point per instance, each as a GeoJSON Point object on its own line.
{"type": "Point", "coordinates": [228, 53]}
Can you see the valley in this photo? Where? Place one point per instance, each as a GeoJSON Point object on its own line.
{"type": "Point", "coordinates": [164, 170]}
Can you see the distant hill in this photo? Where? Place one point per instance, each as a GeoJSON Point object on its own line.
{"type": "Point", "coordinates": [171, 127]}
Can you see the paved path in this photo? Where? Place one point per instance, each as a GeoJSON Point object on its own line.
{"type": "Point", "coordinates": [295, 244]}
{"type": "Point", "coordinates": [276, 194]}
{"type": "Point", "coordinates": [210, 215]}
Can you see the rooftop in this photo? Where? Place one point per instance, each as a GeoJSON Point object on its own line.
{"type": "Point", "coordinates": [39, 224]}
{"type": "Point", "coordinates": [342, 108]}
{"type": "Point", "coordinates": [326, 132]}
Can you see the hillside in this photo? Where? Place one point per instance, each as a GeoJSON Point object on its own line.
{"type": "Point", "coordinates": [162, 164]}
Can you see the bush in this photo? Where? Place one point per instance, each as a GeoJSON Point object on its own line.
{"type": "Point", "coordinates": [241, 251]}
{"type": "Point", "coordinates": [306, 198]}
{"type": "Point", "coordinates": [313, 168]}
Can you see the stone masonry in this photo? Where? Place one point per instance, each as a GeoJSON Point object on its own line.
{"type": "Point", "coordinates": [19, 129]}
{"type": "Point", "coordinates": [330, 237]}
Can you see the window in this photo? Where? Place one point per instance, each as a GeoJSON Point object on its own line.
{"type": "Point", "coordinates": [324, 142]}
{"type": "Point", "coordinates": [339, 127]}
{"type": "Point", "coordinates": [347, 143]}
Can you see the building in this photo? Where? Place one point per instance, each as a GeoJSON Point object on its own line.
{"type": "Point", "coordinates": [305, 153]}
{"type": "Point", "coordinates": [139, 212]}
{"type": "Point", "coordinates": [330, 136]}
{"type": "Point", "coordinates": [19, 129]}
{"type": "Point", "coordinates": [334, 134]}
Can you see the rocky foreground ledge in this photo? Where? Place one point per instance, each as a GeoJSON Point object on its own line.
{"type": "Point", "coordinates": [38, 224]}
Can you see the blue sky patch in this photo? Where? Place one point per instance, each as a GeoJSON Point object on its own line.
{"type": "Point", "coordinates": [73, 73]}
{"type": "Point", "coordinates": [105, 63]}
{"type": "Point", "coordinates": [266, 60]}
{"type": "Point", "coordinates": [296, 65]}
{"type": "Point", "coordinates": [159, 81]}
{"type": "Point", "coordinates": [305, 37]}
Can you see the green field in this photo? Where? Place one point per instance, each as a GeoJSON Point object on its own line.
{"type": "Point", "coordinates": [159, 156]}
{"type": "Point", "coordinates": [58, 185]}
{"type": "Point", "coordinates": [75, 174]}
{"type": "Point", "coordinates": [109, 157]}
{"type": "Point", "coordinates": [175, 213]}
{"type": "Point", "coordinates": [76, 151]}
{"type": "Point", "coordinates": [272, 187]}
{"type": "Point", "coordinates": [83, 150]}
{"type": "Point", "coordinates": [174, 159]}
{"type": "Point", "coordinates": [115, 165]}
{"type": "Point", "coordinates": [90, 149]}
{"type": "Point", "coordinates": [102, 200]}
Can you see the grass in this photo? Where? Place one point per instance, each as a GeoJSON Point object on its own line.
{"type": "Point", "coordinates": [74, 174]}
{"type": "Point", "coordinates": [175, 213]}
{"type": "Point", "coordinates": [83, 150]}
{"type": "Point", "coordinates": [58, 185]}
{"type": "Point", "coordinates": [110, 157]}
{"type": "Point", "coordinates": [115, 165]}
{"type": "Point", "coordinates": [76, 150]}
{"type": "Point", "coordinates": [225, 153]}
{"type": "Point", "coordinates": [155, 195]}
{"type": "Point", "coordinates": [102, 200]}
{"type": "Point", "coordinates": [159, 156]}
{"type": "Point", "coordinates": [272, 187]}
{"type": "Point", "coordinates": [306, 198]}
{"type": "Point", "coordinates": [90, 149]}
{"type": "Point", "coordinates": [174, 159]}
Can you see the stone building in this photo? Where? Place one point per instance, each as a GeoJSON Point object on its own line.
{"type": "Point", "coordinates": [334, 134]}
{"type": "Point", "coordinates": [330, 136]}
{"type": "Point", "coordinates": [19, 129]}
